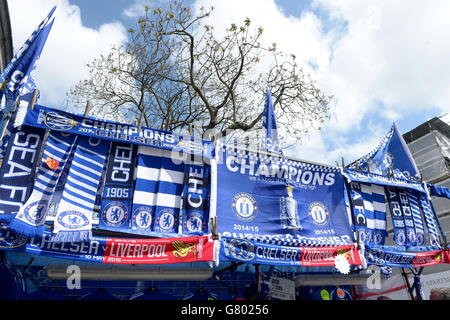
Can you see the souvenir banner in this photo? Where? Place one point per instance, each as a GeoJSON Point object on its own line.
{"type": "Point", "coordinates": [115, 212]}
{"type": "Point", "coordinates": [282, 201]}
{"type": "Point", "coordinates": [367, 177]}
{"type": "Point", "coordinates": [17, 74]}
{"type": "Point", "coordinates": [195, 212]}
{"type": "Point", "coordinates": [391, 156]}
{"type": "Point", "coordinates": [158, 251]}
{"type": "Point", "coordinates": [114, 250]}
{"type": "Point", "coordinates": [393, 257]}
{"type": "Point", "coordinates": [53, 119]}
{"type": "Point", "coordinates": [18, 170]}
{"type": "Point", "coordinates": [73, 220]}
{"type": "Point", "coordinates": [31, 217]}
{"type": "Point", "coordinates": [238, 249]}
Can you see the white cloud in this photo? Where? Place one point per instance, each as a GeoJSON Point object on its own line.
{"type": "Point", "coordinates": [69, 47]}
{"type": "Point", "coordinates": [388, 58]}
{"type": "Point", "coordinates": [383, 58]}
{"type": "Point", "coordinates": [394, 52]}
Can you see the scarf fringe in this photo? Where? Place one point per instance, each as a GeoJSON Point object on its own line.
{"type": "Point", "coordinates": [71, 236]}
{"type": "Point", "coordinates": [5, 219]}
{"type": "Point", "coordinates": [26, 229]}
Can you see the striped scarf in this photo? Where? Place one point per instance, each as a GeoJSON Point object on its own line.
{"type": "Point", "coordinates": [157, 194]}
{"type": "Point", "coordinates": [31, 217]}
{"type": "Point", "coordinates": [429, 219]}
{"type": "Point", "coordinates": [417, 214]}
{"type": "Point", "coordinates": [379, 209]}
{"type": "Point", "coordinates": [73, 221]}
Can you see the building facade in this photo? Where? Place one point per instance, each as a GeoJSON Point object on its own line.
{"type": "Point", "coordinates": [6, 44]}
{"type": "Point", "coordinates": [429, 144]}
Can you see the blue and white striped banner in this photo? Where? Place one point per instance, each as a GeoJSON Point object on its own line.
{"type": "Point", "coordinates": [379, 207]}
{"type": "Point", "coordinates": [157, 193]}
{"type": "Point", "coordinates": [31, 217]}
{"type": "Point", "coordinates": [429, 219]}
{"type": "Point", "coordinates": [74, 217]}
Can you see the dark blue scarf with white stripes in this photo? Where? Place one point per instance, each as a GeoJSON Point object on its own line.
{"type": "Point", "coordinates": [31, 217]}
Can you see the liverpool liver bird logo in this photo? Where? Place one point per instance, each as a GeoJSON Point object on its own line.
{"type": "Point", "coordinates": [182, 249]}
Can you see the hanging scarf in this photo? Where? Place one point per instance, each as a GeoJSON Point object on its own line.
{"type": "Point", "coordinates": [429, 219]}
{"type": "Point", "coordinates": [18, 170]}
{"type": "Point", "coordinates": [31, 217]}
{"type": "Point", "coordinates": [157, 194]}
{"type": "Point", "coordinates": [397, 216]}
{"type": "Point", "coordinates": [379, 207]}
{"type": "Point", "coordinates": [73, 221]}
{"type": "Point", "coordinates": [196, 197]}
{"type": "Point", "coordinates": [363, 216]}
{"type": "Point", "coordinates": [411, 232]}
{"type": "Point", "coordinates": [417, 214]}
{"type": "Point", "coordinates": [115, 209]}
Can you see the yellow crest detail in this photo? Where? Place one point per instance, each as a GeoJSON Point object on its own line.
{"type": "Point", "coordinates": [438, 257]}
{"type": "Point", "coordinates": [182, 249]}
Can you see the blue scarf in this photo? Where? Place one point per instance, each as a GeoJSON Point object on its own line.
{"type": "Point", "coordinates": [429, 219]}
{"type": "Point", "coordinates": [18, 170]}
{"type": "Point", "coordinates": [115, 212]}
{"type": "Point", "coordinates": [196, 197]}
{"type": "Point", "coordinates": [73, 221]}
{"type": "Point", "coordinates": [31, 217]}
{"type": "Point", "coordinates": [398, 221]}
{"type": "Point", "coordinates": [417, 214]}
{"type": "Point", "coordinates": [157, 193]}
{"type": "Point", "coordinates": [363, 214]}
{"type": "Point", "coordinates": [411, 231]}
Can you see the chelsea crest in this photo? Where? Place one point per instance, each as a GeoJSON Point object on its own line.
{"type": "Point", "coordinates": [244, 206]}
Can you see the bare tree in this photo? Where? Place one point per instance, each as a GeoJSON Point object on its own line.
{"type": "Point", "coordinates": [176, 71]}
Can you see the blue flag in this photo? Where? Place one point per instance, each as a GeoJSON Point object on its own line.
{"type": "Point", "coordinates": [16, 78]}
{"type": "Point", "coordinates": [391, 155]}
{"type": "Point", "coordinates": [270, 124]}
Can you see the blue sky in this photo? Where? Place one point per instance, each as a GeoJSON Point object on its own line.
{"type": "Point", "coordinates": [380, 64]}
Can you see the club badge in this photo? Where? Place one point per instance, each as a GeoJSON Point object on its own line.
{"type": "Point", "coordinates": [115, 214]}
{"type": "Point", "coordinates": [244, 207]}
